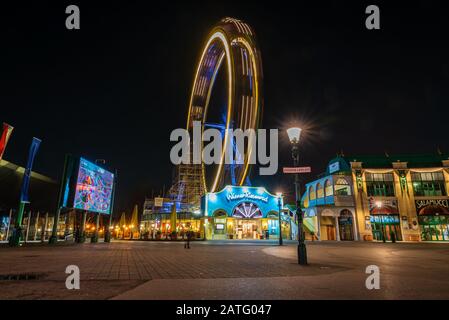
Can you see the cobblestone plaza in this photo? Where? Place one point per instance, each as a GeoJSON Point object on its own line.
{"type": "Point", "coordinates": [219, 270]}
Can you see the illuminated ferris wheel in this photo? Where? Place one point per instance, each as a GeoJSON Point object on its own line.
{"type": "Point", "coordinates": [231, 44]}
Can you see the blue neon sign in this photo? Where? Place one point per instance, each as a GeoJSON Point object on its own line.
{"type": "Point", "coordinates": [244, 202]}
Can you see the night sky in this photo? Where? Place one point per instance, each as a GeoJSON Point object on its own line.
{"type": "Point", "coordinates": [116, 88]}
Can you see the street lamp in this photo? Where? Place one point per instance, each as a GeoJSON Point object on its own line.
{"type": "Point", "coordinates": [279, 195]}
{"type": "Point", "coordinates": [294, 135]}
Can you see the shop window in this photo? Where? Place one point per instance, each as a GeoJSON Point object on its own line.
{"type": "Point", "coordinates": [380, 184]}
{"type": "Point", "coordinates": [428, 184]}
{"type": "Point", "coordinates": [328, 189]}
{"type": "Point", "coordinates": [434, 228]}
{"type": "Point", "coordinates": [312, 194]}
{"type": "Point", "coordinates": [319, 191]}
{"type": "Point", "coordinates": [386, 227]}
{"type": "Point", "coordinates": [342, 187]}
{"type": "Point", "coordinates": [273, 227]}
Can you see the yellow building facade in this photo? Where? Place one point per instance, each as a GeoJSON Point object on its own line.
{"type": "Point", "coordinates": [394, 198]}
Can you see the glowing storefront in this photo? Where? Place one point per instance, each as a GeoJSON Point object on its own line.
{"type": "Point", "coordinates": [244, 213]}
{"type": "Point", "coordinates": [384, 197]}
{"type": "Point", "coordinates": [163, 218]}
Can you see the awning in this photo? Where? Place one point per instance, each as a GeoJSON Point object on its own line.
{"type": "Point", "coordinates": [433, 210]}
{"type": "Point", "coordinates": [385, 209]}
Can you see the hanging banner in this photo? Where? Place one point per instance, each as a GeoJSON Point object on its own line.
{"type": "Point", "coordinates": [6, 133]}
{"type": "Point", "coordinates": [27, 174]}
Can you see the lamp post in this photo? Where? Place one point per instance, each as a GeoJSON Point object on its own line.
{"type": "Point", "coordinates": [279, 216]}
{"type": "Point", "coordinates": [294, 135]}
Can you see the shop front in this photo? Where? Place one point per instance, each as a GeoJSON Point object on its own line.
{"type": "Point", "coordinates": [244, 213]}
{"type": "Point", "coordinates": [386, 226]}
{"type": "Point", "coordinates": [385, 220]}
{"type": "Point", "coordinates": [165, 219]}
{"type": "Point", "coordinates": [163, 226]}
{"type": "Point", "coordinates": [433, 219]}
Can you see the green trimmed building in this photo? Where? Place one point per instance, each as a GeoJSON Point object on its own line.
{"type": "Point", "coordinates": [381, 198]}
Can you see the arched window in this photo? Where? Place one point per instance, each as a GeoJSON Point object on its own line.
{"type": "Point", "coordinates": [312, 194]}
{"type": "Point", "coordinates": [220, 213]}
{"type": "Point", "coordinates": [345, 213]}
{"type": "Point", "coordinates": [342, 187]}
{"type": "Point", "coordinates": [272, 214]}
{"type": "Point", "coordinates": [328, 189]}
{"type": "Point", "coordinates": [319, 191]}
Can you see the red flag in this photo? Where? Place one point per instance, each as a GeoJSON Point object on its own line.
{"type": "Point", "coordinates": [6, 133]}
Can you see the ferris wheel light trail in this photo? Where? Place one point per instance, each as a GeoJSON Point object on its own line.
{"type": "Point", "coordinates": [231, 41]}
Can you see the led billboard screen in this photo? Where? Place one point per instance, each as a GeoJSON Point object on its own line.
{"type": "Point", "coordinates": [94, 188]}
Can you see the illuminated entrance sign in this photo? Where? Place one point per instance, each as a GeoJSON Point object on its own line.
{"type": "Point", "coordinates": [246, 195]}
{"type": "Point", "coordinates": [243, 213]}
{"type": "Point", "coordinates": [243, 202]}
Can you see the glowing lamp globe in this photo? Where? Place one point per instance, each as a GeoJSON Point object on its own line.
{"type": "Point", "coordinates": [294, 134]}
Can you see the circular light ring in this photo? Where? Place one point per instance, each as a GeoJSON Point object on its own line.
{"type": "Point", "coordinates": [233, 42]}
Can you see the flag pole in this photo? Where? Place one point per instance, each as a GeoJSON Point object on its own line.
{"type": "Point", "coordinates": [28, 226]}
{"type": "Point", "coordinates": [9, 224]}
{"type": "Point", "coordinates": [36, 226]}
{"type": "Point", "coordinates": [17, 233]}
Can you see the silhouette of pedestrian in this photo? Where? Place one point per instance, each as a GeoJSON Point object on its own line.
{"type": "Point", "coordinates": [187, 243]}
{"type": "Point", "coordinates": [77, 233]}
{"type": "Point", "coordinates": [393, 237]}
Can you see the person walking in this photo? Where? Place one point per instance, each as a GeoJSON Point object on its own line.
{"type": "Point", "coordinates": [187, 243]}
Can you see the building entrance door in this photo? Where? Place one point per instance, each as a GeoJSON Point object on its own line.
{"type": "Point", "coordinates": [247, 229]}
{"type": "Point", "coordinates": [345, 226]}
{"type": "Point", "coordinates": [385, 227]}
{"type": "Point", "coordinates": [330, 232]}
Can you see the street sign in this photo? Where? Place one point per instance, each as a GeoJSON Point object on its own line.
{"type": "Point", "coordinates": [297, 170]}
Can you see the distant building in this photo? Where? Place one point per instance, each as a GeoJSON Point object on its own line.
{"type": "Point", "coordinates": [43, 190]}
{"type": "Point", "coordinates": [43, 194]}
{"type": "Point", "coordinates": [163, 216]}
{"type": "Point", "coordinates": [380, 197]}
{"type": "Point", "coordinates": [235, 212]}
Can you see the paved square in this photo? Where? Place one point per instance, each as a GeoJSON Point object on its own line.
{"type": "Point", "coordinates": [229, 270]}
